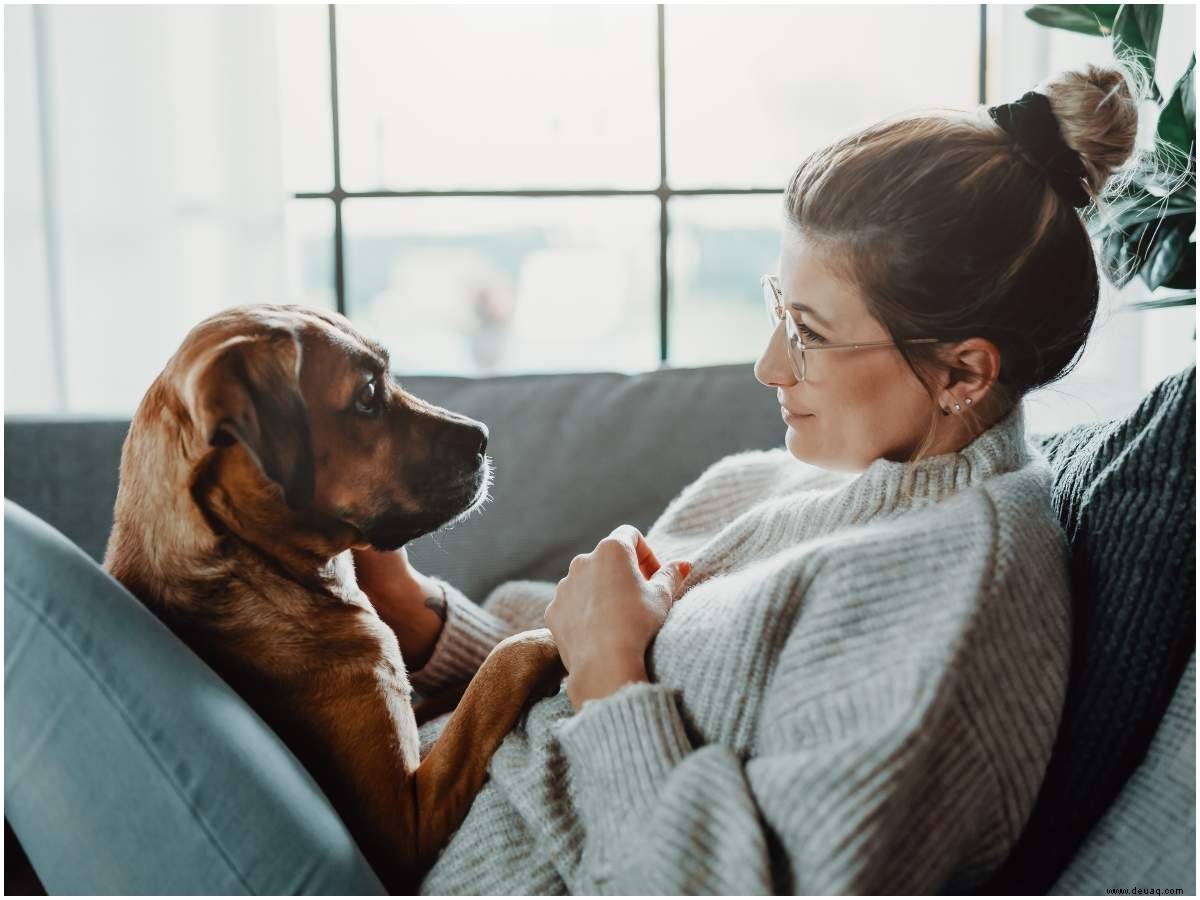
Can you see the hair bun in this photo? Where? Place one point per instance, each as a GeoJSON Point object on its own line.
{"type": "Point", "coordinates": [1097, 112]}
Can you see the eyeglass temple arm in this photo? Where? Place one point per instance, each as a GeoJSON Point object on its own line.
{"type": "Point", "coordinates": [868, 344]}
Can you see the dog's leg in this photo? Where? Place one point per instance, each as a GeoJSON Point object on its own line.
{"type": "Point", "coordinates": [402, 810]}
{"type": "Point", "coordinates": [522, 666]}
{"type": "Point", "coordinates": [437, 704]}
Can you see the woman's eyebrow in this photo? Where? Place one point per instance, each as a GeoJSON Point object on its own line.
{"type": "Point", "coordinates": [811, 313]}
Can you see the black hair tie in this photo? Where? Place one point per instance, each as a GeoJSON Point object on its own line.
{"type": "Point", "coordinates": [1031, 123]}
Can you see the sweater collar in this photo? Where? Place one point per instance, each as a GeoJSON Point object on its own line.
{"type": "Point", "coordinates": [886, 485]}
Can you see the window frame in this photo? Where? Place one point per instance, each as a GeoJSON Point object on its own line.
{"type": "Point", "coordinates": [664, 192]}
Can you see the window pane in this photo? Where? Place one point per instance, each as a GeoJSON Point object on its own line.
{"type": "Point", "coordinates": [32, 366]}
{"type": "Point", "coordinates": [480, 285]}
{"type": "Point", "coordinates": [497, 97]}
{"type": "Point", "coordinates": [305, 117]}
{"type": "Point", "coordinates": [1021, 53]}
{"type": "Point", "coordinates": [309, 228]}
{"type": "Point", "coordinates": [166, 184]}
{"type": "Point", "coordinates": [750, 90]}
{"type": "Point", "coordinates": [720, 247]}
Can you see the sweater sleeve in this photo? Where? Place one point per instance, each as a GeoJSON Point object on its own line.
{"type": "Point", "coordinates": [886, 802]}
{"type": "Point", "coordinates": [471, 630]}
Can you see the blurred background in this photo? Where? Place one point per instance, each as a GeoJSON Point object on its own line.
{"type": "Point", "coordinates": [487, 190]}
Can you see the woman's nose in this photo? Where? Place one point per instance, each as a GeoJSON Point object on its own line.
{"type": "Point", "coordinates": [772, 368]}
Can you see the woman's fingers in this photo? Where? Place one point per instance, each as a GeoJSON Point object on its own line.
{"type": "Point", "coordinates": [670, 578]}
{"type": "Point", "coordinates": [647, 562]}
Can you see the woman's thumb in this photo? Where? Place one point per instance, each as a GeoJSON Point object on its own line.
{"type": "Point", "coordinates": [671, 577]}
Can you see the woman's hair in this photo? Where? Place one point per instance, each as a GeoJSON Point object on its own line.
{"type": "Point", "coordinates": [950, 230]}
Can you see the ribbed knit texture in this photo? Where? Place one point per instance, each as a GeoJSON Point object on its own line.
{"type": "Point", "coordinates": [1147, 837]}
{"type": "Point", "coordinates": [1125, 492]}
{"type": "Point", "coordinates": [857, 692]}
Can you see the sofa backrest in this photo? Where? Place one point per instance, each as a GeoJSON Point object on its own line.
{"type": "Point", "coordinates": [64, 470]}
{"type": "Point", "coordinates": [578, 454]}
{"type": "Point", "coordinates": [575, 455]}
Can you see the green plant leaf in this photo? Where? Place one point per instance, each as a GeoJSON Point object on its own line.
{"type": "Point", "coordinates": [1095, 19]}
{"type": "Point", "coordinates": [1169, 178]}
{"type": "Point", "coordinates": [1136, 26]}
{"type": "Point", "coordinates": [1124, 251]}
{"type": "Point", "coordinates": [1165, 302]}
{"type": "Point", "coordinates": [1145, 207]}
{"type": "Point", "coordinates": [1177, 122]}
{"type": "Point", "coordinates": [1185, 275]}
{"type": "Point", "coordinates": [1167, 248]}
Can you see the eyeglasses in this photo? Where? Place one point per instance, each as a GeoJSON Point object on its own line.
{"type": "Point", "coordinates": [797, 350]}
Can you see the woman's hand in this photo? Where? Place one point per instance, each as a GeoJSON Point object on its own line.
{"type": "Point", "coordinates": [410, 603]}
{"type": "Point", "coordinates": [608, 609]}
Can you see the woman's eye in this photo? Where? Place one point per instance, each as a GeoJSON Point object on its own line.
{"type": "Point", "coordinates": [366, 401]}
{"type": "Point", "coordinates": [808, 334]}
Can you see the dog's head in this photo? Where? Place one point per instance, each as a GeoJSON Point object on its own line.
{"type": "Point", "coordinates": [295, 421]}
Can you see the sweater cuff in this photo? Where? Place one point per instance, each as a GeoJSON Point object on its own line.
{"type": "Point", "coordinates": [621, 750]}
{"type": "Point", "coordinates": [467, 637]}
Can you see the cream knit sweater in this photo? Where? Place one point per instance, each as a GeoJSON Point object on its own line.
{"type": "Point", "coordinates": [857, 692]}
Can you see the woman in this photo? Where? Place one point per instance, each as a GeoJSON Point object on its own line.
{"type": "Point", "coordinates": [848, 674]}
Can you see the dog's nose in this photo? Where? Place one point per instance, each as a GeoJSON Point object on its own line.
{"type": "Point", "coordinates": [468, 438]}
{"type": "Point", "coordinates": [481, 446]}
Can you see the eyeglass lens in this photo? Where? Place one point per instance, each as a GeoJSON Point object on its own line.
{"type": "Point", "coordinates": [795, 346]}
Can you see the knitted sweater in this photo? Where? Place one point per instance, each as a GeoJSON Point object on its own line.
{"type": "Point", "coordinates": [857, 692]}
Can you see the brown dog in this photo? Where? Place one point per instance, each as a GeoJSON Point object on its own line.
{"type": "Point", "coordinates": [272, 443]}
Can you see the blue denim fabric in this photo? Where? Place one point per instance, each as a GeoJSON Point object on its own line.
{"type": "Point", "coordinates": [130, 766]}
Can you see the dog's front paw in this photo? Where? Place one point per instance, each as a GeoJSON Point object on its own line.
{"type": "Point", "coordinates": [536, 640]}
{"type": "Point", "coordinates": [535, 654]}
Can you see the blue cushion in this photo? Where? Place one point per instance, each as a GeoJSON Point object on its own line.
{"type": "Point", "coordinates": [130, 766]}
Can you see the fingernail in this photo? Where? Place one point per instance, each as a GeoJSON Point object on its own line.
{"type": "Point", "coordinates": [685, 569]}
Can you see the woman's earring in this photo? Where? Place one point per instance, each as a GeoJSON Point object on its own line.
{"type": "Point", "coordinates": [968, 401]}
{"type": "Point", "coordinates": [958, 407]}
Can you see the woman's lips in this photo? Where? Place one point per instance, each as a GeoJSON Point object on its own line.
{"type": "Point", "coordinates": [790, 417]}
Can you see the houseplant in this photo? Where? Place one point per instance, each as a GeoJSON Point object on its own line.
{"type": "Point", "coordinates": [1148, 230]}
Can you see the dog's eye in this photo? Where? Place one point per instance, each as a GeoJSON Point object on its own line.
{"type": "Point", "coordinates": [366, 401]}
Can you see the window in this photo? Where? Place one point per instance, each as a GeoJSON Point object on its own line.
{"type": "Point", "coordinates": [539, 188]}
{"type": "Point", "coordinates": [501, 189]}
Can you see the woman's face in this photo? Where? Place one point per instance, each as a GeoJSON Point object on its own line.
{"type": "Point", "coordinates": [854, 406]}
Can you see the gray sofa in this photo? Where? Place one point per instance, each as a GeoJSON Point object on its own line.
{"type": "Point", "coordinates": [577, 454]}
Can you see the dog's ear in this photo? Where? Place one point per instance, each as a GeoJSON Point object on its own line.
{"type": "Point", "coordinates": [248, 390]}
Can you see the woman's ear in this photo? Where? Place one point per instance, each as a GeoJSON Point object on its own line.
{"type": "Point", "coordinates": [974, 367]}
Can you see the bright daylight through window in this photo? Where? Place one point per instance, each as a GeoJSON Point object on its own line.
{"type": "Point", "coordinates": [502, 189]}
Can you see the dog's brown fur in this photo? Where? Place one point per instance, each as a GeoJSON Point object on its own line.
{"type": "Point", "coordinates": [246, 477]}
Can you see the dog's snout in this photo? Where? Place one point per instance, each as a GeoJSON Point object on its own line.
{"type": "Point", "coordinates": [467, 438]}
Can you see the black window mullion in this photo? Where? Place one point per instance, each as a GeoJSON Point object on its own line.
{"type": "Point", "coordinates": [983, 13]}
{"type": "Point", "coordinates": [664, 193]}
{"type": "Point", "coordinates": [337, 195]}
